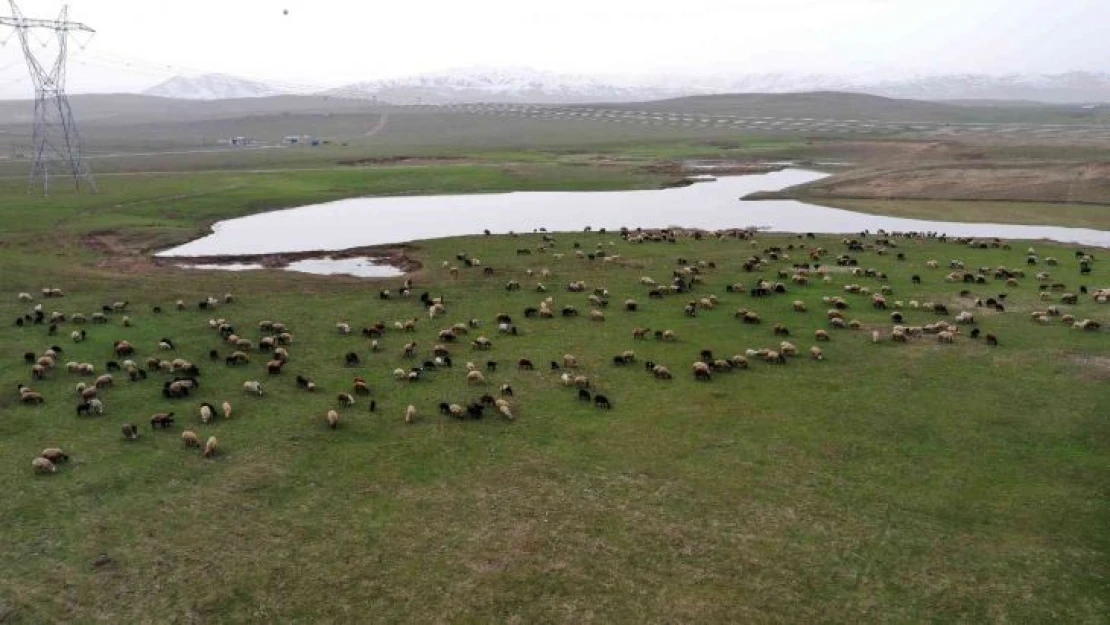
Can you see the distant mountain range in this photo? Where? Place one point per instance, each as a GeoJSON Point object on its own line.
{"type": "Point", "coordinates": [212, 87]}
{"type": "Point", "coordinates": [519, 85]}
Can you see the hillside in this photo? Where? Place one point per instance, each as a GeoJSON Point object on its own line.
{"type": "Point", "coordinates": [837, 105]}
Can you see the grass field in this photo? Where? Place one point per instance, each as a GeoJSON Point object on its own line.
{"type": "Point", "coordinates": [888, 482]}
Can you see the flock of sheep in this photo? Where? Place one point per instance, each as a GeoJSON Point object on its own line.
{"type": "Point", "coordinates": [869, 287]}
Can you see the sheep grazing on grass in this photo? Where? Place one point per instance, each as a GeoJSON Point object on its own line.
{"type": "Point", "coordinates": [104, 381]}
{"type": "Point", "coordinates": [189, 439]}
{"type": "Point", "coordinates": [816, 353]}
{"type": "Point", "coordinates": [569, 361]}
{"type": "Point", "coordinates": [206, 413]}
{"type": "Point", "coordinates": [597, 315]}
{"type": "Point", "coordinates": [343, 328]}
{"type": "Point", "coordinates": [774, 358]}
{"type": "Point", "coordinates": [253, 387]}
{"type": "Point", "coordinates": [162, 420]}
{"type": "Point", "coordinates": [668, 336]}
{"type": "Point", "coordinates": [481, 343]}
{"type": "Point", "coordinates": [581, 381]}
{"type": "Point", "coordinates": [333, 419]}
{"type": "Point", "coordinates": [345, 399]}
{"type": "Point", "coordinates": [273, 367]}
{"type": "Point", "coordinates": [660, 372]}
{"type": "Point", "coordinates": [781, 330]}
{"type": "Point", "coordinates": [210, 447]}
{"type": "Point", "coordinates": [702, 371]}
{"type": "Point", "coordinates": [227, 410]}
{"type": "Point", "coordinates": [130, 431]}
{"type": "Point", "coordinates": [788, 349]}
{"type": "Point", "coordinates": [361, 387]}
{"type": "Point", "coordinates": [475, 377]}
{"type": "Point", "coordinates": [876, 336]}
{"type": "Point", "coordinates": [946, 337]}
{"type": "Point", "coordinates": [410, 414]}
{"type": "Point", "coordinates": [55, 455]}
{"type": "Point", "coordinates": [640, 333]}
{"type": "Point", "coordinates": [42, 465]}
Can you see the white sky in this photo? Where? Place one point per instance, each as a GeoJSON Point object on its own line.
{"type": "Point", "coordinates": [332, 42]}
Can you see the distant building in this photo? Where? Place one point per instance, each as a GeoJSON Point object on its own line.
{"type": "Point", "coordinates": [296, 140]}
{"type": "Point", "coordinates": [238, 142]}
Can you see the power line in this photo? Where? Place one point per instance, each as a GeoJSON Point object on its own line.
{"type": "Point", "coordinates": [55, 140]}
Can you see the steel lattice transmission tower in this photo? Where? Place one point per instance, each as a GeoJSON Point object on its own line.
{"type": "Point", "coordinates": [55, 141]}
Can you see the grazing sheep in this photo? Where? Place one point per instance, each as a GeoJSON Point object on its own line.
{"type": "Point", "coordinates": [788, 349]}
{"type": "Point", "coordinates": [189, 439]}
{"type": "Point", "coordinates": [210, 447]}
{"type": "Point", "coordinates": [946, 337]}
{"type": "Point", "coordinates": [205, 413]}
{"type": "Point", "coordinates": [42, 465]}
{"type": "Point", "coordinates": [780, 330]}
{"type": "Point", "coordinates": [346, 399]}
{"type": "Point", "coordinates": [162, 420]}
{"type": "Point", "coordinates": [799, 306]}
{"type": "Point", "coordinates": [876, 336]}
{"type": "Point", "coordinates": [581, 381]}
{"type": "Point", "coordinates": [130, 431]}
{"type": "Point", "coordinates": [410, 414]}
{"type": "Point", "coordinates": [475, 377]}
{"type": "Point", "coordinates": [668, 336]}
{"type": "Point", "coordinates": [253, 387]}
{"type": "Point", "coordinates": [227, 410]}
{"type": "Point", "coordinates": [569, 361]}
{"type": "Point", "coordinates": [55, 455]}
{"type": "Point", "coordinates": [343, 328]}
{"type": "Point", "coordinates": [333, 419]}
{"type": "Point", "coordinates": [104, 381]}
{"type": "Point", "coordinates": [701, 371]}
{"type": "Point", "coordinates": [816, 353]}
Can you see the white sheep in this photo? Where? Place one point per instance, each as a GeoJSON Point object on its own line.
{"type": "Point", "coordinates": [410, 414]}
{"type": "Point", "coordinates": [254, 387]}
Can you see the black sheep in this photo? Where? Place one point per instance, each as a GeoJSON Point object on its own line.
{"type": "Point", "coordinates": [214, 355]}
{"type": "Point", "coordinates": [584, 395]}
{"type": "Point", "coordinates": [491, 365]}
{"type": "Point", "coordinates": [602, 401]}
{"type": "Point", "coordinates": [352, 359]}
{"type": "Point", "coordinates": [524, 364]}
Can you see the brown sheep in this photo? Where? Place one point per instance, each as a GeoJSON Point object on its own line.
{"type": "Point", "coordinates": [189, 438]}
{"type": "Point", "coordinates": [55, 455]}
{"type": "Point", "coordinates": [210, 447]}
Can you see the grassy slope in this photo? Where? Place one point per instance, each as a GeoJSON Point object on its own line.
{"type": "Point", "coordinates": [1029, 213]}
{"type": "Point", "coordinates": [886, 483]}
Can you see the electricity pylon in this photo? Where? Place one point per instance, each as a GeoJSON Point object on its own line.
{"type": "Point", "coordinates": [55, 141]}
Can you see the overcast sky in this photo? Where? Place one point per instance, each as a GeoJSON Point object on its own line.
{"type": "Point", "coordinates": [332, 42]}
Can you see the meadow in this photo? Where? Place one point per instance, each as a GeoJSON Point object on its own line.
{"type": "Point", "coordinates": [887, 482]}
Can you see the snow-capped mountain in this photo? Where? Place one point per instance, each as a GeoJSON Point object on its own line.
{"type": "Point", "coordinates": [525, 85]}
{"type": "Point", "coordinates": [504, 84]}
{"type": "Point", "coordinates": [212, 87]}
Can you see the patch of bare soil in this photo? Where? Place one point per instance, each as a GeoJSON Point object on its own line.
{"type": "Point", "coordinates": [403, 160]}
{"type": "Point", "coordinates": [1096, 368]}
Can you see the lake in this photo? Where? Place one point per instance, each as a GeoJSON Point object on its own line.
{"type": "Point", "coordinates": [713, 205]}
